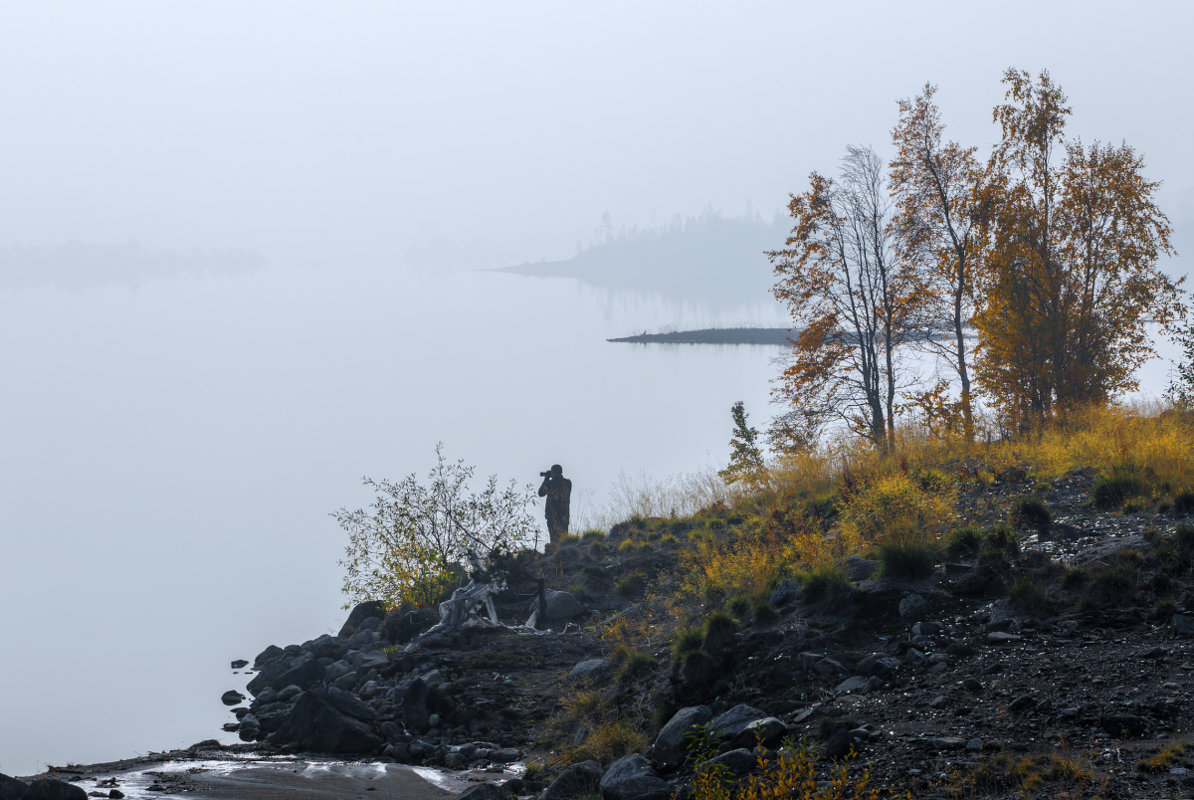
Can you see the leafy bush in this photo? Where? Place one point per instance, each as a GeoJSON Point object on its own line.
{"type": "Point", "coordinates": [746, 565]}
{"type": "Point", "coordinates": [894, 509]}
{"type": "Point", "coordinates": [606, 742]}
{"type": "Point", "coordinates": [415, 540]}
{"type": "Point", "coordinates": [1124, 440]}
{"type": "Point", "coordinates": [793, 774]}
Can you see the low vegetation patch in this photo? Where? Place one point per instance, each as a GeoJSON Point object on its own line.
{"type": "Point", "coordinates": [912, 560]}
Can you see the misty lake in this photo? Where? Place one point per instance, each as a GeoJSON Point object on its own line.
{"type": "Point", "coordinates": [173, 449]}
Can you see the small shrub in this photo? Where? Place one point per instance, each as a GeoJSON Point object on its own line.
{"type": "Point", "coordinates": [963, 542]}
{"type": "Point", "coordinates": [607, 742]}
{"type": "Point", "coordinates": [824, 583]}
{"type": "Point", "coordinates": [1034, 513]}
{"type": "Point", "coordinates": [631, 585]}
{"type": "Point", "coordinates": [794, 772]}
{"type": "Point", "coordinates": [1183, 504]}
{"type": "Point", "coordinates": [1029, 597]}
{"type": "Point", "coordinates": [1165, 758]}
{"type": "Point", "coordinates": [628, 546]}
{"type": "Point", "coordinates": [913, 560]}
{"type": "Point", "coordinates": [1164, 610]}
{"type": "Point", "coordinates": [1000, 543]}
{"type": "Point", "coordinates": [1184, 537]}
{"type": "Point", "coordinates": [686, 642]}
{"type": "Point", "coordinates": [892, 510]}
{"type": "Point", "coordinates": [635, 665]}
{"type": "Point", "coordinates": [740, 606]}
{"type": "Point", "coordinates": [720, 625]}
{"type": "Point", "coordinates": [1073, 577]}
{"type": "Point", "coordinates": [1109, 584]}
{"type": "Point", "coordinates": [1111, 491]}
{"type": "Point", "coordinates": [763, 612]}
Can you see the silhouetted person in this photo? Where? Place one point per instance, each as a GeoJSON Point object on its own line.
{"type": "Point", "coordinates": [557, 489]}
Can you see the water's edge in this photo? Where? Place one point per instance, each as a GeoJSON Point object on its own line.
{"type": "Point", "coordinates": [211, 770]}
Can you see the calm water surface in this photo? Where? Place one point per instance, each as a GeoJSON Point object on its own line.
{"type": "Point", "coordinates": [172, 452]}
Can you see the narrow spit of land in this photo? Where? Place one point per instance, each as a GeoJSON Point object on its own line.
{"type": "Point", "coordinates": [770, 337]}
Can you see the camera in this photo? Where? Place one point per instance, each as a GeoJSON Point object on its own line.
{"type": "Point", "coordinates": [544, 474]}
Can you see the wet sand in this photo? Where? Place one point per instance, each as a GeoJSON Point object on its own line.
{"type": "Point", "coordinates": [237, 773]}
{"type": "Point", "coordinates": [317, 782]}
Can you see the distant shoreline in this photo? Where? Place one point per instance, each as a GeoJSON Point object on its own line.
{"type": "Point", "coordinates": [770, 337]}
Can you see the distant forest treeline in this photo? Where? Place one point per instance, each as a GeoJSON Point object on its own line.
{"type": "Point", "coordinates": [708, 258]}
{"type": "Point", "coordinates": [90, 265]}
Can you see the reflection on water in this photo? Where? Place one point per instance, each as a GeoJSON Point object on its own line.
{"type": "Point", "coordinates": [174, 450]}
{"type": "Point", "coordinates": [79, 265]}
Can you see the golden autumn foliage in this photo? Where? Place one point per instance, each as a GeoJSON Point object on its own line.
{"type": "Point", "coordinates": [938, 190]}
{"type": "Point", "coordinates": [1070, 277]}
{"type": "Point", "coordinates": [1032, 279]}
{"type": "Point", "coordinates": [854, 302]}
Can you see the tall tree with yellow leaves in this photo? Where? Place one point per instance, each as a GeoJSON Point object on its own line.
{"type": "Point", "coordinates": [938, 190]}
{"type": "Point", "coordinates": [854, 303]}
{"type": "Point", "coordinates": [1070, 277]}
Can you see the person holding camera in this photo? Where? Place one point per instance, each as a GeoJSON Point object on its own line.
{"type": "Point", "coordinates": [558, 490]}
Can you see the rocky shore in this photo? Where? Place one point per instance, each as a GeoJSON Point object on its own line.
{"type": "Point", "coordinates": [1055, 657]}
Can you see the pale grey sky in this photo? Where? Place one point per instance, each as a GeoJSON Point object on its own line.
{"type": "Point", "coordinates": [503, 131]}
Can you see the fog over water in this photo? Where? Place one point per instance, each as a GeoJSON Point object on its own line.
{"type": "Point", "coordinates": [239, 246]}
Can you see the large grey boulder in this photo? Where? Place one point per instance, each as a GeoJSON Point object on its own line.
{"type": "Point", "coordinates": [738, 762]}
{"type": "Point", "coordinates": [671, 745]}
{"type": "Point", "coordinates": [913, 606]}
{"type": "Point", "coordinates": [766, 731]}
{"type": "Point", "coordinates": [631, 778]}
{"type": "Point", "coordinates": [589, 670]}
{"type": "Point", "coordinates": [415, 712]}
{"type": "Point", "coordinates": [578, 780]}
{"type": "Point", "coordinates": [320, 724]}
{"type": "Point", "coordinates": [786, 591]}
{"type": "Point", "coordinates": [858, 568]}
{"type": "Point", "coordinates": [370, 609]}
{"type": "Point", "coordinates": [563, 605]}
{"type": "Point", "coordinates": [733, 722]}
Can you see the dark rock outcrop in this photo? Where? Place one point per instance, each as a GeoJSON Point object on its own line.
{"type": "Point", "coordinates": [370, 609]}
{"type": "Point", "coordinates": [578, 780]}
{"type": "Point", "coordinates": [632, 778]}
{"type": "Point", "coordinates": [11, 788]}
{"type": "Point", "coordinates": [671, 745]}
{"type": "Point", "coordinates": [320, 723]}
{"type": "Point", "coordinates": [53, 789]}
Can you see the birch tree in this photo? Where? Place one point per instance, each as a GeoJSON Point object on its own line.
{"type": "Point", "coordinates": [853, 301]}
